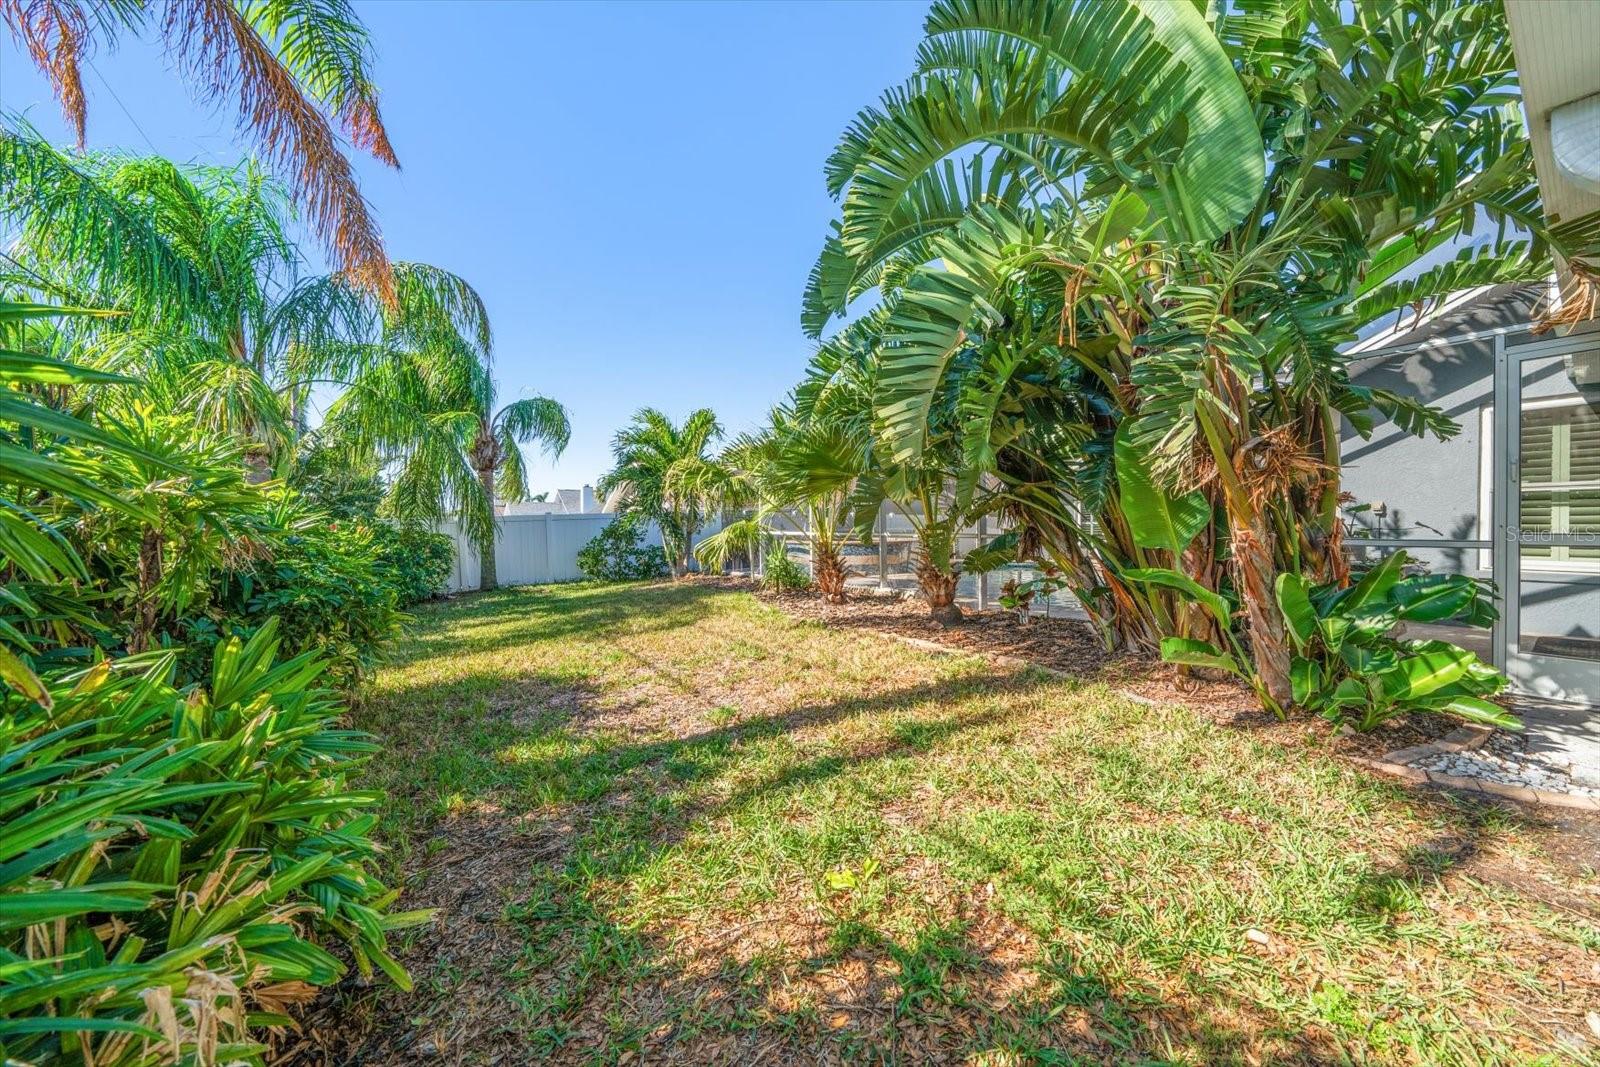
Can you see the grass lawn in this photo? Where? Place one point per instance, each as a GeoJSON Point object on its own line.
{"type": "Point", "coordinates": [670, 824]}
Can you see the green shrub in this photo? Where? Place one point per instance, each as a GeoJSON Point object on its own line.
{"type": "Point", "coordinates": [325, 584]}
{"type": "Point", "coordinates": [191, 516]}
{"type": "Point", "coordinates": [412, 558]}
{"type": "Point", "coordinates": [618, 553]}
{"type": "Point", "coordinates": [782, 574]}
{"type": "Point", "coordinates": [1349, 668]}
{"type": "Point", "coordinates": [415, 561]}
{"type": "Point", "coordinates": [174, 860]}
{"type": "Point", "coordinates": [203, 555]}
{"type": "Point", "coordinates": [334, 482]}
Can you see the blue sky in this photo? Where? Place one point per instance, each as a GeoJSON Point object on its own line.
{"type": "Point", "coordinates": [635, 188]}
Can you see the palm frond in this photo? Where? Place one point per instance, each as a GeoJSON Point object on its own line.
{"type": "Point", "coordinates": [1472, 267]}
{"type": "Point", "coordinates": [327, 48]}
{"type": "Point", "coordinates": [536, 419]}
{"type": "Point", "coordinates": [224, 54]}
{"type": "Point", "coordinates": [57, 37]}
{"type": "Point", "coordinates": [114, 250]}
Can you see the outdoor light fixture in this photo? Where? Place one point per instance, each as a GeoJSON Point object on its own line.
{"type": "Point", "coordinates": [1575, 141]}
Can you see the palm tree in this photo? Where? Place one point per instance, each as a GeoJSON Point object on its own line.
{"type": "Point", "coordinates": [217, 316]}
{"type": "Point", "coordinates": [662, 471]}
{"type": "Point", "coordinates": [429, 414]}
{"type": "Point", "coordinates": [804, 466]}
{"type": "Point", "coordinates": [807, 468]}
{"type": "Point", "coordinates": [293, 69]}
{"type": "Point", "coordinates": [1191, 212]}
{"type": "Point", "coordinates": [929, 491]}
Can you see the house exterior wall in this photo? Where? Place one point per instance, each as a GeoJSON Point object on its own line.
{"type": "Point", "coordinates": [1438, 489]}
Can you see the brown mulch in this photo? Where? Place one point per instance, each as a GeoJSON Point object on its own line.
{"type": "Point", "coordinates": [468, 871]}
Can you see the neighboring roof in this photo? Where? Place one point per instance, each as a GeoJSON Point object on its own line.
{"type": "Point", "coordinates": [1471, 311]}
{"type": "Point", "coordinates": [564, 502]}
{"type": "Point", "coordinates": [1555, 42]}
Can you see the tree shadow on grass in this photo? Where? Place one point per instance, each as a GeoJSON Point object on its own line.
{"type": "Point", "coordinates": [533, 958]}
{"type": "Point", "coordinates": [549, 614]}
{"type": "Point", "coordinates": [523, 952]}
{"type": "Point", "coordinates": [526, 962]}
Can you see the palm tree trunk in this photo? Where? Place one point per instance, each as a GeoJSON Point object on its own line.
{"type": "Point", "coordinates": [674, 543]}
{"type": "Point", "coordinates": [488, 579]}
{"type": "Point", "coordinates": [827, 566]}
{"type": "Point", "coordinates": [1254, 549]}
{"type": "Point", "coordinates": [939, 589]}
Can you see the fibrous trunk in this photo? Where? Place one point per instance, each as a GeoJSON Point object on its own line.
{"type": "Point", "coordinates": [827, 567]}
{"type": "Point", "coordinates": [144, 615]}
{"type": "Point", "coordinates": [939, 589]}
{"type": "Point", "coordinates": [1257, 575]}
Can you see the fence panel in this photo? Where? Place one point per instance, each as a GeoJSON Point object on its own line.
{"type": "Point", "coordinates": [888, 564]}
{"type": "Point", "coordinates": [535, 549]}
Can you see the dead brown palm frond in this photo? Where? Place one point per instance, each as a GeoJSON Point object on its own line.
{"type": "Point", "coordinates": [56, 35]}
{"type": "Point", "coordinates": [280, 998]}
{"type": "Point", "coordinates": [1337, 565]}
{"type": "Point", "coordinates": [1580, 301]}
{"type": "Point", "coordinates": [364, 125]}
{"type": "Point", "coordinates": [225, 55]}
{"type": "Point", "coordinates": [1277, 461]}
{"type": "Point", "coordinates": [1201, 470]}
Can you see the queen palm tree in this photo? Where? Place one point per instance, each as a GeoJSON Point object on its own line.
{"type": "Point", "coordinates": [1192, 208]}
{"type": "Point", "coordinates": [428, 413]}
{"type": "Point", "coordinates": [663, 472]}
{"type": "Point", "coordinates": [217, 315]}
{"type": "Point", "coordinates": [293, 68]}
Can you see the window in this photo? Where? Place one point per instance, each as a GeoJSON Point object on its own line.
{"type": "Point", "coordinates": [1560, 480]}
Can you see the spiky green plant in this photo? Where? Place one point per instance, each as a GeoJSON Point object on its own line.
{"type": "Point", "coordinates": [170, 859]}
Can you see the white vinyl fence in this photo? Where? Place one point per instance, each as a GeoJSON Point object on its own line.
{"type": "Point", "coordinates": [536, 549]}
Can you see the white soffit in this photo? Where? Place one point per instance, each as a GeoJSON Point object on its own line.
{"type": "Point", "coordinates": [1558, 61]}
